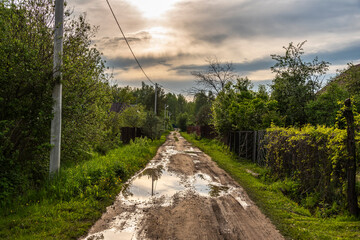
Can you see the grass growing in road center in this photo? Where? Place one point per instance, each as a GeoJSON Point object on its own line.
{"type": "Point", "coordinates": [66, 207]}
{"type": "Point", "coordinates": [293, 221]}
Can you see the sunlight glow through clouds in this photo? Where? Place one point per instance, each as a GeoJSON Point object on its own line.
{"type": "Point", "coordinates": [153, 8]}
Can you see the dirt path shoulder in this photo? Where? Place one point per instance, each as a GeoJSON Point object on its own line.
{"type": "Point", "coordinates": [182, 194]}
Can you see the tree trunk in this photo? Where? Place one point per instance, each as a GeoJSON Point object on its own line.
{"type": "Point", "coordinates": [351, 164]}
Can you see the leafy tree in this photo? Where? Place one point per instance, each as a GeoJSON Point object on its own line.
{"type": "Point", "coordinates": [350, 78]}
{"type": "Point", "coordinates": [296, 82]}
{"type": "Point", "coordinates": [181, 104]}
{"type": "Point", "coordinates": [146, 97]}
{"type": "Point", "coordinates": [171, 102]}
{"type": "Point", "coordinates": [183, 122]}
{"type": "Point", "coordinates": [133, 116]}
{"type": "Point", "coordinates": [202, 109]}
{"type": "Point", "coordinates": [86, 95]}
{"type": "Point", "coordinates": [26, 56]}
{"type": "Point", "coordinates": [25, 94]}
{"type": "Point", "coordinates": [237, 107]}
{"type": "Point", "coordinates": [152, 126]}
{"type": "Point", "coordinates": [123, 95]}
{"type": "Point", "coordinates": [323, 110]}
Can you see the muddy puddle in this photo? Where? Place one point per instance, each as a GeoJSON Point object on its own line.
{"type": "Point", "coordinates": [157, 185]}
{"type": "Point", "coordinates": [157, 181]}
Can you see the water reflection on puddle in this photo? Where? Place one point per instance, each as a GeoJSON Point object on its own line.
{"type": "Point", "coordinates": [158, 182]}
{"type": "Point", "coordinates": [204, 186]}
{"type": "Point", "coordinates": [112, 234]}
{"type": "Point", "coordinates": [153, 182]}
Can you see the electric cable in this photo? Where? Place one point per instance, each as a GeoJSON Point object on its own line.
{"type": "Point", "coordinates": [117, 22]}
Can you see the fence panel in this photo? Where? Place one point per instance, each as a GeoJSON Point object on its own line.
{"type": "Point", "coordinates": [249, 145]}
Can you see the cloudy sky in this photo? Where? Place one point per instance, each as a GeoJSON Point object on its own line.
{"type": "Point", "coordinates": [171, 38]}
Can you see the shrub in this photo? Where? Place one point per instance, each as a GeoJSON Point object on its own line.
{"type": "Point", "coordinates": [314, 157]}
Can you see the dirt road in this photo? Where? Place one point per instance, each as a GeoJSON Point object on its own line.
{"type": "Point", "coordinates": [182, 194]}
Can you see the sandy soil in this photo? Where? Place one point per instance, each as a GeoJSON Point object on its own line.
{"type": "Point", "coordinates": [182, 194]}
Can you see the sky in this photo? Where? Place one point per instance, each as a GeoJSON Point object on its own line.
{"type": "Point", "coordinates": [172, 38]}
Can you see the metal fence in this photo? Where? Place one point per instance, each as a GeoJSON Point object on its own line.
{"type": "Point", "coordinates": [249, 145]}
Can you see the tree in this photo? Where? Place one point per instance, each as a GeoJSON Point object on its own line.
{"type": "Point", "coordinates": [25, 94]}
{"type": "Point", "coordinates": [183, 122]}
{"type": "Point", "coordinates": [172, 109]}
{"type": "Point", "coordinates": [202, 109]}
{"type": "Point", "coordinates": [133, 116]}
{"type": "Point", "coordinates": [86, 96]}
{"type": "Point", "coordinates": [123, 95]}
{"type": "Point", "coordinates": [152, 126]}
{"type": "Point", "coordinates": [323, 110]}
{"type": "Point", "coordinates": [296, 82]}
{"type": "Point", "coordinates": [26, 53]}
{"type": "Point", "coordinates": [146, 97]}
{"type": "Point", "coordinates": [237, 107]}
{"type": "Point", "coordinates": [216, 77]}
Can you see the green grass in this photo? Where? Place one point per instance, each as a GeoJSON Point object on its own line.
{"type": "Point", "coordinates": [293, 221]}
{"type": "Point", "coordinates": [67, 206]}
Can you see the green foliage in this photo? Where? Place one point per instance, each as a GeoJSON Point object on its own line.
{"type": "Point", "coordinates": [123, 95]}
{"type": "Point", "coordinates": [152, 126]}
{"type": "Point", "coordinates": [293, 221]}
{"type": "Point", "coordinates": [323, 110]}
{"type": "Point", "coordinates": [25, 95]}
{"type": "Point", "coordinates": [146, 97]}
{"type": "Point", "coordinates": [350, 78]}
{"type": "Point", "coordinates": [133, 116]}
{"type": "Point", "coordinates": [67, 206]}
{"type": "Point", "coordinates": [183, 122]}
{"type": "Point", "coordinates": [237, 107]}
{"type": "Point", "coordinates": [296, 82]}
{"type": "Point", "coordinates": [172, 107]}
{"type": "Point", "coordinates": [26, 56]}
{"type": "Point", "coordinates": [202, 109]}
{"type": "Point", "coordinates": [314, 158]}
{"type": "Point", "coordinates": [86, 96]}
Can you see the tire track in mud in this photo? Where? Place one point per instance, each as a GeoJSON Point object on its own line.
{"type": "Point", "coordinates": [182, 194]}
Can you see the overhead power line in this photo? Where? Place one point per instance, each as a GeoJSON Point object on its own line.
{"type": "Point", "coordinates": [117, 22]}
{"type": "Point", "coordinates": [172, 91]}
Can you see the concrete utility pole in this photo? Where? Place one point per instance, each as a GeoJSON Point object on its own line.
{"type": "Point", "coordinates": [55, 139]}
{"type": "Point", "coordinates": [165, 116]}
{"type": "Point", "coordinates": [155, 99]}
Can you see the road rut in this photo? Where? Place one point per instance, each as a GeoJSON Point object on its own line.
{"type": "Point", "coordinates": [182, 194]}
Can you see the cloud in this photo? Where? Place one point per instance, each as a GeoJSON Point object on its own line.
{"type": "Point", "coordinates": [145, 61]}
{"type": "Point", "coordinates": [116, 42]}
{"type": "Point", "coordinates": [241, 68]}
{"type": "Point", "coordinates": [272, 18]}
{"type": "Point", "coordinates": [245, 32]}
{"type": "Point", "coordinates": [345, 54]}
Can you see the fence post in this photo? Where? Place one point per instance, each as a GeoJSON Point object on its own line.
{"type": "Point", "coordinates": [235, 142]}
{"type": "Point", "coordinates": [239, 138]}
{"type": "Point", "coordinates": [254, 149]}
{"type": "Point", "coordinates": [351, 164]}
{"type": "Point", "coordinates": [246, 145]}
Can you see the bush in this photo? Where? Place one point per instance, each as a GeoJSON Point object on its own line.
{"type": "Point", "coordinates": [313, 157]}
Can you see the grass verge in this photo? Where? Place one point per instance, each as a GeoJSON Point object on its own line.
{"type": "Point", "coordinates": [68, 205]}
{"type": "Point", "coordinates": [293, 221]}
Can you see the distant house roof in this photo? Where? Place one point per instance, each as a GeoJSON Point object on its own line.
{"type": "Point", "coordinates": [118, 107]}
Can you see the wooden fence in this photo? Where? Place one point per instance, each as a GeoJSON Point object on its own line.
{"type": "Point", "coordinates": [249, 145]}
{"type": "Point", "coordinates": [129, 133]}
